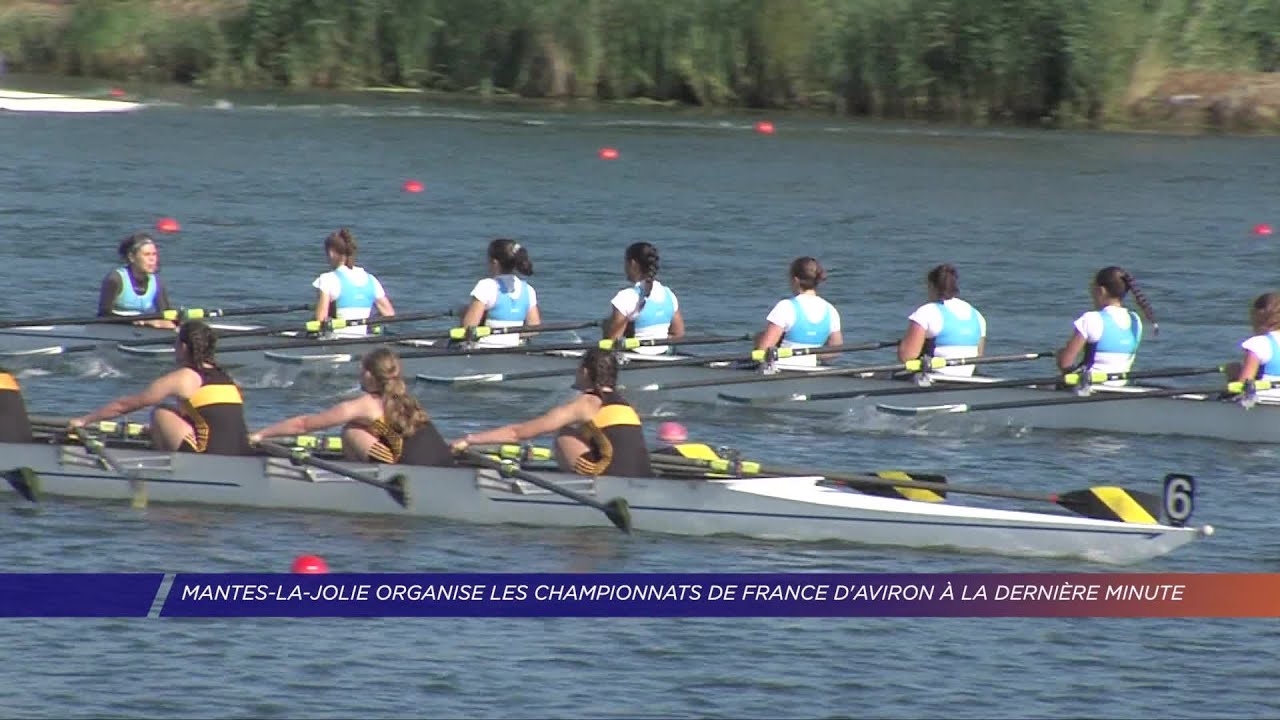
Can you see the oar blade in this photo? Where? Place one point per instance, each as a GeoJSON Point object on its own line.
{"type": "Point", "coordinates": [1114, 503]}
{"type": "Point", "coordinates": [398, 488]}
{"type": "Point", "coordinates": [25, 482]}
{"type": "Point", "coordinates": [913, 411]}
{"type": "Point", "coordinates": [619, 513]}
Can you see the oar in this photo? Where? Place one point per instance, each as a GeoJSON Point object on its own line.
{"type": "Point", "coordinates": [397, 487]}
{"type": "Point", "coordinates": [103, 427]}
{"type": "Point", "coordinates": [457, 333]}
{"type": "Point", "coordinates": [172, 315]}
{"type": "Point", "coordinates": [109, 461]}
{"type": "Point", "coordinates": [311, 327]}
{"type": "Point", "coordinates": [1102, 503]}
{"type": "Point", "coordinates": [52, 350]}
{"type": "Point", "coordinates": [944, 384]}
{"type": "Point", "coordinates": [24, 481]}
{"type": "Point", "coordinates": [1233, 388]}
{"type": "Point", "coordinates": [616, 509]}
{"type": "Point", "coordinates": [755, 356]}
{"type": "Point", "coordinates": [914, 366]}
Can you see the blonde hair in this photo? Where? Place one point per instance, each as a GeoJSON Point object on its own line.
{"type": "Point", "coordinates": [1265, 313]}
{"type": "Point", "coordinates": [401, 410]}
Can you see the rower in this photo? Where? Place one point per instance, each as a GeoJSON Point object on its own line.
{"type": "Point", "coordinates": [348, 292]}
{"type": "Point", "coordinates": [385, 424]}
{"type": "Point", "coordinates": [1262, 351]}
{"type": "Point", "coordinates": [599, 433]}
{"type": "Point", "coordinates": [1109, 336]}
{"type": "Point", "coordinates": [648, 309]}
{"type": "Point", "coordinates": [15, 424]}
{"type": "Point", "coordinates": [210, 415]}
{"type": "Point", "coordinates": [946, 326]}
{"type": "Point", "coordinates": [503, 299]}
{"type": "Point", "coordinates": [133, 288]}
{"type": "Point", "coordinates": [804, 320]}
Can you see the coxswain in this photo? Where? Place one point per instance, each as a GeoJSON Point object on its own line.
{"type": "Point", "coordinates": [348, 291]}
{"type": "Point", "coordinates": [15, 424]}
{"type": "Point", "coordinates": [209, 416]}
{"type": "Point", "coordinates": [946, 326]}
{"type": "Point", "coordinates": [804, 320]}
{"type": "Point", "coordinates": [503, 299]}
{"type": "Point", "coordinates": [598, 432]}
{"type": "Point", "coordinates": [134, 288]}
{"type": "Point", "coordinates": [1108, 336]}
{"type": "Point", "coordinates": [384, 424]}
{"type": "Point", "coordinates": [646, 310]}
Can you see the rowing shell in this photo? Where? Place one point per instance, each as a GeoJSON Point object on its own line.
{"type": "Point", "coordinates": [19, 101]}
{"type": "Point", "coordinates": [789, 508]}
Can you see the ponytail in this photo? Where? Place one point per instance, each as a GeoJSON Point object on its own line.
{"type": "Point", "coordinates": [343, 242]}
{"type": "Point", "coordinates": [1143, 303]}
{"type": "Point", "coordinates": [646, 258]}
{"type": "Point", "coordinates": [602, 368]}
{"type": "Point", "coordinates": [945, 279]}
{"type": "Point", "coordinates": [511, 257]}
{"type": "Point", "coordinates": [401, 410]}
{"type": "Point", "coordinates": [200, 341]}
{"type": "Point", "coordinates": [808, 271]}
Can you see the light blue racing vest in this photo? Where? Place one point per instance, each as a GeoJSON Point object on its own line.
{"type": "Point", "coordinates": [655, 313]}
{"type": "Point", "coordinates": [957, 332]}
{"type": "Point", "coordinates": [1272, 368]}
{"type": "Point", "coordinates": [806, 331]}
{"type": "Point", "coordinates": [1118, 340]}
{"type": "Point", "coordinates": [512, 305]}
{"type": "Point", "coordinates": [359, 298]}
{"type": "Point", "coordinates": [128, 301]}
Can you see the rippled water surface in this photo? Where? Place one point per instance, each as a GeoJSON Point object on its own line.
{"type": "Point", "coordinates": [1027, 217]}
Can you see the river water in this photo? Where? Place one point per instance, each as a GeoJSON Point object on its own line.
{"type": "Point", "coordinates": [257, 182]}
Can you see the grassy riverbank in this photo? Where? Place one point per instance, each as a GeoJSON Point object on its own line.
{"type": "Point", "coordinates": [1189, 63]}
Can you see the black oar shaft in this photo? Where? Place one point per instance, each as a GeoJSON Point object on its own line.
{"type": "Point", "coordinates": [616, 509]}
{"type": "Point", "coordinates": [397, 487]}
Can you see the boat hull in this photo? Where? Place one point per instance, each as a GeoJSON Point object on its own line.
{"type": "Point", "coordinates": [794, 508]}
{"type": "Point", "coordinates": [19, 101]}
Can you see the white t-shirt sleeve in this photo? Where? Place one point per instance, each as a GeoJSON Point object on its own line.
{"type": "Point", "coordinates": [783, 314]}
{"type": "Point", "coordinates": [378, 292]}
{"type": "Point", "coordinates": [625, 302]}
{"type": "Point", "coordinates": [1259, 345]}
{"type": "Point", "coordinates": [486, 291]}
{"type": "Point", "coordinates": [835, 319]}
{"type": "Point", "coordinates": [982, 323]}
{"type": "Point", "coordinates": [928, 317]}
{"type": "Point", "coordinates": [1089, 325]}
{"type": "Point", "coordinates": [329, 284]}
{"type": "Point", "coordinates": [533, 295]}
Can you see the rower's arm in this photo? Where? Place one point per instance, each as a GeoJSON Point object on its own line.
{"type": "Point", "coordinates": [912, 342]}
{"type": "Point", "coordinates": [340, 414]}
{"type": "Point", "coordinates": [322, 306]}
{"type": "Point", "coordinates": [769, 337]}
{"type": "Point", "coordinates": [617, 325]}
{"type": "Point", "coordinates": [576, 411]}
{"type": "Point", "coordinates": [676, 330]}
{"type": "Point", "coordinates": [1067, 355]}
{"type": "Point", "coordinates": [385, 308]}
{"type": "Point", "coordinates": [1248, 367]}
{"type": "Point", "coordinates": [835, 338]}
{"type": "Point", "coordinates": [163, 387]}
{"type": "Point", "coordinates": [471, 316]}
{"type": "Point", "coordinates": [107, 294]}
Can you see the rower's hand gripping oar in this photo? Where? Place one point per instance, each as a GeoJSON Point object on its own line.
{"type": "Point", "coordinates": [397, 487]}
{"type": "Point", "coordinates": [180, 315]}
{"type": "Point", "coordinates": [108, 460]}
{"type": "Point", "coordinates": [616, 509]}
{"type": "Point", "coordinates": [1102, 503]}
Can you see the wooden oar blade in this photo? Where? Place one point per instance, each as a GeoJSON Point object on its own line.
{"type": "Point", "coordinates": [1114, 503]}
{"type": "Point", "coordinates": [25, 482]}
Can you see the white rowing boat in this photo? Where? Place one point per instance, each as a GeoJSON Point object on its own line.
{"type": "Point", "coordinates": [33, 102]}
{"type": "Point", "coordinates": [781, 508]}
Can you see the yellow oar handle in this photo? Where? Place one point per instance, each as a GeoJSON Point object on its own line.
{"type": "Point", "coordinates": [621, 344]}
{"type": "Point", "coordinates": [1241, 386]}
{"type": "Point", "coordinates": [522, 453]}
{"type": "Point", "coordinates": [327, 443]}
{"type": "Point", "coordinates": [319, 326]}
{"type": "Point", "coordinates": [470, 333]}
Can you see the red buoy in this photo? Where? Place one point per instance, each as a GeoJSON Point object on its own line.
{"type": "Point", "coordinates": [117, 92]}
{"type": "Point", "coordinates": [608, 153]}
{"type": "Point", "coordinates": [672, 432]}
{"type": "Point", "coordinates": [168, 225]}
{"type": "Point", "coordinates": [764, 127]}
{"type": "Point", "coordinates": [310, 565]}
{"type": "Point", "coordinates": [1262, 229]}
{"type": "Point", "coordinates": [413, 186]}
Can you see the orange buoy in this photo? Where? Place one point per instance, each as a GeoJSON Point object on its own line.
{"type": "Point", "coordinates": [764, 127]}
{"type": "Point", "coordinates": [413, 186]}
{"type": "Point", "coordinates": [168, 225]}
{"type": "Point", "coordinates": [608, 153]}
{"type": "Point", "coordinates": [310, 565]}
{"type": "Point", "coordinates": [1262, 229]}
{"type": "Point", "coordinates": [672, 432]}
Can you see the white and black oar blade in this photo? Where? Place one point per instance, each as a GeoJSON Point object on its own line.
{"type": "Point", "coordinates": [1114, 503]}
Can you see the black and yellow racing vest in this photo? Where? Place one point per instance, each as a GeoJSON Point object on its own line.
{"type": "Point", "coordinates": [216, 412]}
{"type": "Point", "coordinates": [616, 439]}
{"type": "Point", "coordinates": [425, 446]}
{"type": "Point", "coordinates": [15, 426]}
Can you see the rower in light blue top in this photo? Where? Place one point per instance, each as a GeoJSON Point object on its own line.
{"type": "Point", "coordinates": [348, 292]}
{"type": "Point", "coordinates": [648, 309]}
{"type": "Point", "coordinates": [1110, 335]}
{"type": "Point", "coordinates": [134, 288]}
{"type": "Point", "coordinates": [946, 326]}
{"type": "Point", "coordinates": [804, 320]}
{"type": "Point", "coordinates": [1262, 350]}
{"type": "Point", "coordinates": [503, 299]}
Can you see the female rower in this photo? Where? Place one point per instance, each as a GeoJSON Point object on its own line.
{"type": "Point", "coordinates": [946, 326]}
{"type": "Point", "coordinates": [1262, 351]}
{"type": "Point", "coordinates": [15, 424]}
{"type": "Point", "coordinates": [599, 433]}
{"type": "Point", "coordinates": [210, 414]}
{"type": "Point", "coordinates": [348, 292]}
{"type": "Point", "coordinates": [386, 424]}
{"type": "Point", "coordinates": [648, 309]}
{"type": "Point", "coordinates": [503, 299]}
{"type": "Point", "coordinates": [804, 320]}
{"type": "Point", "coordinates": [1109, 336]}
{"type": "Point", "coordinates": [133, 288]}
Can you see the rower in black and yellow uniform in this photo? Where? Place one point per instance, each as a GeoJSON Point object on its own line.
{"type": "Point", "coordinates": [210, 414]}
{"type": "Point", "coordinates": [599, 433]}
{"type": "Point", "coordinates": [15, 426]}
{"type": "Point", "coordinates": [386, 424]}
